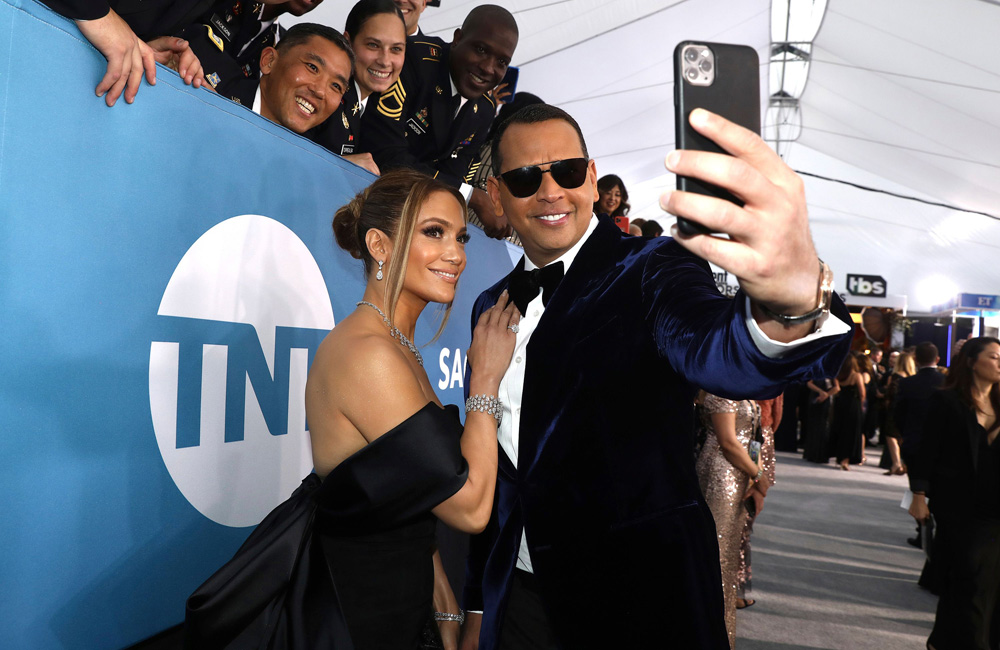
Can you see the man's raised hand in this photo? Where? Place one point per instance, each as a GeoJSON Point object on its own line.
{"type": "Point", "coordinates": [770, 249]}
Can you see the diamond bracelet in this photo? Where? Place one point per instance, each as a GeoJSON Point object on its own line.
{"type": "Point", "coordinates": [445, 616]}
{"type": "Point", "coordinates": [487, 404]}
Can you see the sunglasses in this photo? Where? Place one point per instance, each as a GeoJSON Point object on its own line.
{"type": "Point", "coordinates": [525, 181]}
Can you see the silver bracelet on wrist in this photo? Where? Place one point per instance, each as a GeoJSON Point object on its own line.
{"type": "Point", "coordinates": [489, 404]}
{"type": "Point", "coordinates": [446, 616]}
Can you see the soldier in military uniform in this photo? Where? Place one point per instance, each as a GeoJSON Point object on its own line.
{"type": "Point", "coordinates": [377, 33]}
{"type": "Point", "coordinates": [229, 39]}
{"type": "Point", "coordinates": [437, 115]}
{"type": "Point", "coordinates": [304, 77]}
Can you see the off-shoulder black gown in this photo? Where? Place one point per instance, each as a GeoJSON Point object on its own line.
{"type": "Point", "coordinates": [344, 563]}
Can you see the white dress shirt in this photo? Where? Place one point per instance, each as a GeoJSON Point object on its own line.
{"type": "Point", "coordinates": [512, 385]}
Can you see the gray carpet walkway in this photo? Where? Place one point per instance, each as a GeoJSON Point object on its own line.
{"type": "Point", "coordinates": [831, 566]}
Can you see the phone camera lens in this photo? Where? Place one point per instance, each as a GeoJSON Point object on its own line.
{"type": "Point", "coordinates": [692, 74]}
{"type": "Point", "coordinates": [691, 54]}
{"type": "Point", "coordinates": [706, 66]}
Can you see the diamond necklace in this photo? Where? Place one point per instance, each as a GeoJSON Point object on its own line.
{"type": "Point", "coordinates": [395, 333]}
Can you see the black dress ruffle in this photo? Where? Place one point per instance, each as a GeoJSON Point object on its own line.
{"type": "Point", "coordinates": [344, 563]}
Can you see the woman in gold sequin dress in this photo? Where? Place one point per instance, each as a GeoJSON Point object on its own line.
{"type": "Point", "coordinates": [770, 420]}
{"type": "Point", "coordinates": [725, 472]}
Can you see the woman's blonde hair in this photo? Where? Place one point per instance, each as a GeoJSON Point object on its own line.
{"type": "Point", "coordinates": [905, 365]}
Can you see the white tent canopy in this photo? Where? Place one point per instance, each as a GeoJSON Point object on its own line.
{"type": "Point", "coordinates": [901, 96]}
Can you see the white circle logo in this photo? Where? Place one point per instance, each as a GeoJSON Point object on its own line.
{"type": "Point", "coordinates": [241, 318]}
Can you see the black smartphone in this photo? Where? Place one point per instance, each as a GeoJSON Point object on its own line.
{"type": "Point", "coordinates": [724, 79]}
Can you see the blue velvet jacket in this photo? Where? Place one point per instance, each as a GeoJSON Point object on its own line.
{"type": "Point", "coordinates": [622, 543]}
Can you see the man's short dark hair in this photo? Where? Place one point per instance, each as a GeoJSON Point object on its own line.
{"type": "Point", "coordinates": [302, 32]}
{"type": "Point", "coordinates": [492, 16]}
{"type": "Point", "coordinates": [926, 354]}
{"type": "Point", "coordinates": [533, 115]}
{"type": "Point", "coordinates": [651, 229]}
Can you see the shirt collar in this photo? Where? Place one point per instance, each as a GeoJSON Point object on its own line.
{"type": "Point", "coordinates": [361, 102]}
{"type": "Point", "coordinates": [570, 255]}
{"type": "Point", "coordinates": [256, 100]}
{"type": "Point", "coordinates": [454, 91]}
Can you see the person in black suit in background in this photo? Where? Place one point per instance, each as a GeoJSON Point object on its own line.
{"type": "Point", "coordinates": [913, 399]}
{"type": "Point", "coordinates": [910, 410]}
{"type": "Point", "coordinates": [437, 115]}
{"type": "Point", "coordinates": [957, 465]}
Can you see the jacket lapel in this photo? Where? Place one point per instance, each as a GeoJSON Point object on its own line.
{"type": "Point", "coordinates": [550, 345]}
{"type": "Point", "coordinates": [441, 118]}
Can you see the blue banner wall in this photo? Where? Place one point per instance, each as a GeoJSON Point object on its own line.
{"type": "Point", "coordinates": [167, 269]}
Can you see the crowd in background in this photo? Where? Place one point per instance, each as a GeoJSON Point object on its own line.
{"type": "Point", "coordinates": [939, 426]}
{"type": "Point", "coordinates": [380, 93]}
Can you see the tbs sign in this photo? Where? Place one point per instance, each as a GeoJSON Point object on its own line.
{"type": "Point", "coordinates": [866, 285]}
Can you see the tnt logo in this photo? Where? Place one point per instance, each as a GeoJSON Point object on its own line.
{"type": "Point", "coordinates": [239, 323]}
{"type": "Point", "coordinates": [866, 285]}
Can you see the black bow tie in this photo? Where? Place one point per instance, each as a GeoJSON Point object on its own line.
{"type": "Point", "coordinates": [524, 285]}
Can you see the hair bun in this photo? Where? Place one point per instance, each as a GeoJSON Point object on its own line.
{"type": "Point", "coordinates": [345, 225]}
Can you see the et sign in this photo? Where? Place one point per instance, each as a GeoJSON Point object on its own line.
{"type": "Point", "coordinates": [866, 285]}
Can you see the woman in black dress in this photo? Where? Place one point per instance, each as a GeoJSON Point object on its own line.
{"type": "Point", "coordinates": [816, 429]}
{"type": "Point", "coordinates": [348, 561]}
{"type": "Point", "coordinates": [958, 467]}
{"type": "Point", "coordinates": [845, 428]}
{"type": "Point", "coordinates": [903, 367]}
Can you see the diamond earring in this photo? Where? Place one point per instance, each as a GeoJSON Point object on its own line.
{"type": "Point", "coordinates": [378, 276]}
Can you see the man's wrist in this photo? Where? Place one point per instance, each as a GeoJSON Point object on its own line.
{"type": "Point", "coordinates": [791, 317]}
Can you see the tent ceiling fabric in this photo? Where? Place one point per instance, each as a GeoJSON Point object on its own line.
{"type": "Point", "coordinates": [902, 95]}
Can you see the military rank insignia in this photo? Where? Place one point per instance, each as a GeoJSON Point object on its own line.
{"type": "Point", "coordinates": [438, 90]}
{"type": "Point", "coordinates": [475, 108]}
{"type": "Point", "coordinates": [391, 102]}
{"type": "Point", "coordinates": [237, 7]}
{"type": "Point", "coordinates": [355, 108]}
{"type": "Point", "coordinates": [213, 79]}
{"type": "Point", "coordinates": [347, 125]}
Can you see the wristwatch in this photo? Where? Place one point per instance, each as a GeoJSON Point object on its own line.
{"type": "Point", "coordinates": [824, 297]}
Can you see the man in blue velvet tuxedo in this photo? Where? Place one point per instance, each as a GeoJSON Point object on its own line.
{"type": "Point", "coordinates": [600, 537]}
